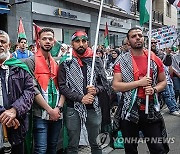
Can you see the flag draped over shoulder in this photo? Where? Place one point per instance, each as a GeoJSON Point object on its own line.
{"type": "Point", "coordinates": [144, 11]}
{"type": "Point", "coordinates": [123, 4]}
{"type": "Point", "coordinates": [55, 49]}
{"type": "Point", "coordinates": [176, 3]}
{"type": "Point", "coordinates": [29, 136]}
{"type": "Point", "coordinates": [106, 37]}
{"type": "Point", "coordinates": [21, 31]}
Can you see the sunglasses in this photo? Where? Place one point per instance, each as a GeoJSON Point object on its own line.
{"type": "Point", "coordinates": [153, 42]}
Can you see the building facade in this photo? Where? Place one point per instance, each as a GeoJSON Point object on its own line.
{"type": "Point", "coordinates": [66, 16]}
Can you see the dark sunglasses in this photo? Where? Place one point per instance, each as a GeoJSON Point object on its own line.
{"type": "Point", "coordinates": [153, 42]}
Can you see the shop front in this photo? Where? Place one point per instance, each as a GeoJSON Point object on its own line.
{"type": "Point", "coordinates": [63, 21]}
{"type": "Point", "coordinates": [117, 29]}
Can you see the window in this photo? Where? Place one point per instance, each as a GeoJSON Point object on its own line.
{"type": "Point", "coordinates": [168, 9]}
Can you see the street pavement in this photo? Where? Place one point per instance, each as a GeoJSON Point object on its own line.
{"type": "Point", "coordinates": [173, 130]}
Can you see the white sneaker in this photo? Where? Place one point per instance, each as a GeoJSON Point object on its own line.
{"type": "Point", "coordinates": [175, 113]}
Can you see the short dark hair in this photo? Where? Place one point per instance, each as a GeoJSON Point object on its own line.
{"type": "Point", "coordinates": [31, 45]}
{"type": "Point", "coordinates": [21, 38]}
{"type": "Point", "coordinates": [100, 50]}
{"type": "Point", "coordinates": [134, 28]}
{"type": "Point", "coordinates": [46, 30]}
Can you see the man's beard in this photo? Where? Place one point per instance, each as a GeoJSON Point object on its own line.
{"type": "Point", "coordinates": [80, 50]}
{"type": "Point", "coordinates": [134, 46]}
{"type": "Point", "coordinates": [154, 50]}
{"type": "Point", "coordinates": [4, 55]}
{"type": "Point", "coordinates": [137, 47]}
{"type": "Point", "coordinates": [46, 50]}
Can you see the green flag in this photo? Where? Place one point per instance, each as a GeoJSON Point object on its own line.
{"type": "Point", "coordinates": [29, 136]}
{"type": "Point", "coordinates": [144, 11]}
{"type": "Point", "coordinates": [55, 50]}
{"type": "Point", "coordinates": [16, 62]}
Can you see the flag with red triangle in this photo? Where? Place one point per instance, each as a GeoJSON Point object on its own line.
{"type": "Point", "coordinates": [55, 49]}
{"type": "Point", "coordinates": [36, 31]}
{"type": "Point", "coordinates": [106, 37]}
{"type": "Point", "coordinates": [176, 3]}
{"type": "Point", "coordinates": [21, 31]}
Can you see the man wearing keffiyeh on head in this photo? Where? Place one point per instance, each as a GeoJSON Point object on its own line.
{"type": "Point", "coordinates": [82, 99]}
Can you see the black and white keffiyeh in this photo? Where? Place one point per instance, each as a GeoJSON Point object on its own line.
{"type": "Point", "coordinates": [128, 76]}
{"type": "Point", "coordinates": [74, 80]}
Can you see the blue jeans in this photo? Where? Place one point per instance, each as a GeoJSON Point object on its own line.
{"type": "Point", "coordinates": [46, 134]}
{"type": "Point", "coordinates": [93, 125]}
{"type": "Point", "coordinates": [169, 97]}
{"type": "Point", "coordinates": [176, 82]}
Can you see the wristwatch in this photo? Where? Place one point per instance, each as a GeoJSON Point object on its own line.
{"type": "Point", "coordinates": [155, 90]}
{"type": "Point", "coordinates": [60, 108]}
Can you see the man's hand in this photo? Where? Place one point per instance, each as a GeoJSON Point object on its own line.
{"type": "Point", "coordinates": [87, 99]}
{"type": "Point", "coordinates": [149, 90]}
{"type": "Point", "coordinates": [54, 114]}
{"type": "Point", "coordinates": [14, 123]}
{"type": "Point", "coordinates": [145, 81]}
{"type": "Point", "coordinates": [8, 116]}
{"type": "Point", "coordinates": [91, 90]}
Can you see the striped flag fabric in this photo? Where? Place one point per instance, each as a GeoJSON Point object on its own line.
{"type": "Point", "coordinates": [123, 4]}
{"type": "Point", "coordinates": [106, 37]}
{"type": "Point", "coordinates": [144, 11]}
{"type": "Point", "coordinates": [36, 31]}
{"type": "Point", "coordinates": [21, 31]}
{"type": "Point", "coordinates": [176, 3]}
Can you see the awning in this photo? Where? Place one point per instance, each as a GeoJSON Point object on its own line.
{"type": "Point", "coordinates": [4, 8]}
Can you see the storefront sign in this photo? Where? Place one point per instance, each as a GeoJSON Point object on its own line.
{"type": "Point", "coordinates": [116, 23]}
{"type": "Point", "coordinates": [65, 14]}
{"type": "Point", "coordinates": [59, 12]}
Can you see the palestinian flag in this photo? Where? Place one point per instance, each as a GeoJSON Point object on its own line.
{"type": "Point", "coordinates": [176, 3]}
{"type": "Point", "coordinates": [55, 49]}
{"type": "Point", "coordinates": [106, 37]}
{"type": "Point", "coordinates": [36, 31]}
{"type": "Point", "coordinates": [47, 82]}
{"type": "Point", "coordinates": [21, 31]}
{"type": "Point", "coordinates": [144, 11]}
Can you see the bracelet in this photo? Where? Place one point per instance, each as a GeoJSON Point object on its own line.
{"type": "Point", "coordinates": [60, 108]}
{"type": "Point", "coordinates": [155, 90]}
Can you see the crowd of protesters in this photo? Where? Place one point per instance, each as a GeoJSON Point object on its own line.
{"type": "Point", "coordinates": [38, 91]}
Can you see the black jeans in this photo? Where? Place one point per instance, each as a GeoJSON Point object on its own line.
{"type": "Point", "coordinates": [151, 131]}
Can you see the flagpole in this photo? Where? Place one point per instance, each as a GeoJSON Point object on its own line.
{"type": "Point", "coordinates": [175, 40]}
{"type": "Point", "coordinates": [149, 52]}
{"type": "Point", "coordinates": [96, 40]}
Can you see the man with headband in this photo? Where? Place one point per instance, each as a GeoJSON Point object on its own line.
{"type": "Point", "coordinates": [81, 98]}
